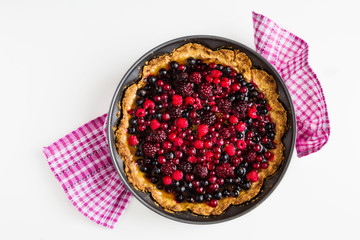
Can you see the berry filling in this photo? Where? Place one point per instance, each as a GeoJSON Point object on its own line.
{"type": "Point", "coordinates": [201, 132]}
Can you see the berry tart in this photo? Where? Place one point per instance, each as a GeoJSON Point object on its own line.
{"type": "Point", "coordinates": [201, 129]}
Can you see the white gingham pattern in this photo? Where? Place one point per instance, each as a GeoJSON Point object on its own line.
{"type": "Point", "coordinates": [82, 164]}
{"type": "Point", "coordinates": [289, 55]}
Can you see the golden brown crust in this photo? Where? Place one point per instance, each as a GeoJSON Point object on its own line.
{"type": "Point", "coordinates": [241, 63]}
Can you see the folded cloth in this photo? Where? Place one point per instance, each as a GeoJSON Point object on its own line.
{"type": "Point", "coordinates": [81, 160]}
{"type": "Point", "coordinates": [289, 55]}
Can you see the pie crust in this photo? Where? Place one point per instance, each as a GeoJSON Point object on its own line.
{"type": "Point", "coordinates": [241, 63]}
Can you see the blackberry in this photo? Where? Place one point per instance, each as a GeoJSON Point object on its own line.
{"type": "Point", "coordinates": [224, 170]}
{"type": "Point", "coordinates": [185, 167]}
{"type": "Point", "coordinates": [225, 133]}
{"type": "Point", "coordinates": [240, 109]}
{"type": "Point", "coordinates": [175, 112]}
{"type": "Point", "coordinates": [205, 90]}
{"type": "Point", "coordinates": [158, 136]}
{"type": "Point", "coordinates": [168, 168]}
{"type": "Point", "coordinates": [195, 77]}
{"type": "Point", "coordinates": [208, 118]}
{"type": "Point", "coordinates": [218, 90]}
{"type": "Point", "coordinates": [150, 149]}
{"type": "Point", "coordinates": [250, 156]}
{"type": "Point", "coordinates": [183, 76]}
{"type": "Point", "coordinates": [201, 171]}
{"type": "Point", "coordinates": [223, 105]}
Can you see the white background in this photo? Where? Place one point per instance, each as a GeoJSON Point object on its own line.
{"type": "Point", "coordinates": [60, 62]}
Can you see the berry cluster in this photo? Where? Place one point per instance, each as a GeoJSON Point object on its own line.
{"type": "Point", "coordinates": [201, 131]}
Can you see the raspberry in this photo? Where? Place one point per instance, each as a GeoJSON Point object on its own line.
{"type": "Point", "coordinates": [215, 73]}
{"type": "Point", "coordinates": [158, 136]}
{"type": "Point", "coordinates": [224, 170]}
{"type": "Point", "coordinates": [177, 100]}
{"type": "Point", "coordinates": [240, 127]}
{"type": "Point", "coordinates": [172, 136]}
{"type": "Point", "coordinates": [252, 112]}
{"type": "Point", "coordinates": [149, 104]}
{"type": "Point", "coordinates": [225, 82]}
{"type": "Point", "coordinates": [178, 141]}
{"type": "Point", "coordinates": [184, 88]}
{"type": "Point", "coordinates": [150, 149]}
{"type": "Point", "coordinates": [182, 123]}
{"type": "Point", "coordinates": [233, 120]}
{"type": "Point", "coordinates": [208, 118]}
{"type": "Point", "coordinates": [202, 130]}
{"type": "Point", "coordinates": [230, 150]}
{"type": "Point", "coordinates": [175, 112]}
{"type": "Point", "coordinates": [195, 77]}
{"type": "Point", "coordinates": [223, 105]}
{"type": "Point", "coordinates": [192, 159]}
{"type": "Point", "coordinates": [253, 176]}
{"type": "Point", "coordinates": [198, 144]}
{"type": "Point", "coordinates": [201, 171]}
{"type": "Point", "coordinates": [250, 156]}
{"type": "Point", "coordinates": [167, 180]}
{"type": "Point", "coordinates": [241, 144]}
{"type": "Point", "coordinates": [209, 78]}
{"type": "Point", "coordinates": [177, 175]}
{"type": "Point", "coordinates": [168, 168]}
{"type": "Point", "coordinates": [140, 112]}
{"type": "Point", "coordinates": [205, 89]}
{"type": "Point", "coordinates": [189, 101]}
{"type": "Point", "coordinates": [155, 124]}
{"type": "Point", "coordinates": [132, 140]}
{"type": "Point", "coordinates": [217, 81]}
{"type": "Point", "coordinates": [185, 167]}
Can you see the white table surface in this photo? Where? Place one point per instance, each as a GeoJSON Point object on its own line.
{"type": "Point", "coordinates": [60, 62]}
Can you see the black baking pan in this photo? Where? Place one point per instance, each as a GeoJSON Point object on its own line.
{"type": "Point", "coordinates": [212, 42]}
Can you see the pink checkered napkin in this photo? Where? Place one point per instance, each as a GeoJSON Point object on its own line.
{"type": "Point", "coordinates": [289, 55]}
{"type": "Point", "coordinates": [82, 164]}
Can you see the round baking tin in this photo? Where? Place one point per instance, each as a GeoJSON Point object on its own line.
{"type": "Point", "coordinates": [212, 42]}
